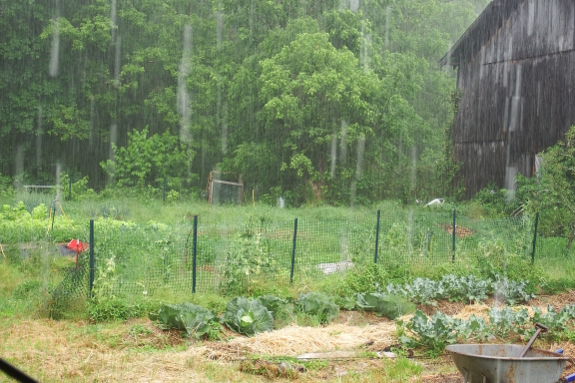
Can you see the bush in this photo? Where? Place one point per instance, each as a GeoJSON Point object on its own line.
{"type": "Point", "coordinates": [146, 160]}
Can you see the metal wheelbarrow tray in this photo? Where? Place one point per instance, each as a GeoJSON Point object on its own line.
{"type": "Point", "coordinates": [500, 363]}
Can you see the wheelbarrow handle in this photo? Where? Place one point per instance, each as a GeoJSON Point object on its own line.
{"type": "Point", "coordinates": [540, 328]}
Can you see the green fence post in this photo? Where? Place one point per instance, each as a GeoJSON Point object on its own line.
{"type": "Point", "coordinates": [194, 253]}
{"type": "Point", "coordinates": [534, 238]}
{"type": "Point", "coordinates": [293, 251]}
{"type": "Point", "coordinates": [92, 257]}
{"type": "Point", "coordinates": [377, 237]}
{"type": "Point", "coordinates": [164, 189]}
{"type": "Point", "coordinates": [453, 239]}
{"type": "Point", "coordinates": [70, 188]}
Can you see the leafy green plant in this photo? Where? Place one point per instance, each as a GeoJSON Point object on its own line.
{"type": "Point", "coordinates": [114, 309]}
{"type": "Point", "coordinates": [248, 258]}
{"type": "Point", "coordinates": [505, 321]}
{"type": "Point", "coordinates": [195, 320]}
{"type": "Point", "coordinates": [319, 305]}
{"type": "Point", "coordinates": [556, 321]}
{"type": "Point", "coordinates": [384, 305]}
{"type": "Point", "coordinates": [424, 291]}
{"type": "Point", "coordinates": [433, 333]}
{"type": "Point", "coordinates": [279, 307]}
{"type": "Point", "coordinates": [26, 289]}
{"type": "Point", "coordinates": [147, 159]}
{"type": "Point", "coordinates": [80, 190]}
{"type": "Point", "coordinates": [466, 288]}
{"type": "Point", "coordinates": [511, 292]}
{"type": "Point", "coordinates": [247, 316]}
{"type": "Point", "coordinates": [363, 278]}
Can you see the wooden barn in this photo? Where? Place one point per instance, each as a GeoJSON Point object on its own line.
{"type": "Point", "coordinates": [515, 74]}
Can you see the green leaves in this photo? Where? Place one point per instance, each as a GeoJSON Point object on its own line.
{"type": "Point", "coordinates": [195, 320]}
{"type": "Point", "coordinates": [147, 159]}
{"type": "Point", "coordinates": [384, 305]}
{"type": "Point", "coordinates": [247, 316]}
{"type": "Point", "coordinates": [318, 304]}
{"type": "Point", "coordinates": [464, 288]}
{"type": "Point", "coordinates": [247, 259]}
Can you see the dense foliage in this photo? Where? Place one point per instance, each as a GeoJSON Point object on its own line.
{"type": "Point", "coordinates": [315, 100]}
{"type": "Point", "coordinates": [193, 319]}
{"type": "Point", "coordinates": [466, 288]}
{"type": "Point", "coordinates": [247, 316]}
{"type": "Point", "coordinates": [552, 191]}
{"type": "Point", "coordinates": [436, 332]}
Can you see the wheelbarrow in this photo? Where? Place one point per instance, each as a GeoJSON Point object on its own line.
{"type": "Point", "coordinates": [507, 363]}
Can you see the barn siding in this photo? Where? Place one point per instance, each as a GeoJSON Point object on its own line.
{"type": "Point", "coordinates": [517, 93]}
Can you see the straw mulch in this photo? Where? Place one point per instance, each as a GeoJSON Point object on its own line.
{"type": "Point", "coordinates": [558, 300]}
{"type": "Point", "coordinates": [294, 340]}
{"type": "Point", "coordinates": [55, 351]}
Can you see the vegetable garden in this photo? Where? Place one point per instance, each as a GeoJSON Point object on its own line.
{"type": "Point", "coordinates": [413, 296]}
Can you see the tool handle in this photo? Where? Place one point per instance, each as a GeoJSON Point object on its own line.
{"type": "Point", "coordinates": [529, 344]}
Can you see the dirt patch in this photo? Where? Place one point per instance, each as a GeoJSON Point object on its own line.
{"type": "Point", "coordinates": [558, 300]}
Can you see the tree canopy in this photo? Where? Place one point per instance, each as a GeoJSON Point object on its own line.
{"type": "Point", "coordinates": [324, 100]}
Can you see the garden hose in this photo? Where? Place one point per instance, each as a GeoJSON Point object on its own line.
{"type": "Point", "coordinates": [67, 220]}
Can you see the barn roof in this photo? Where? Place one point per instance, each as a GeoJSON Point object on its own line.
{"type": "Point", "coordinates": [482, 29]}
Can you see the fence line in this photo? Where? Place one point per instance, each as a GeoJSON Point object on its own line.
{"type": "Point", "coordinates": [131, 260]}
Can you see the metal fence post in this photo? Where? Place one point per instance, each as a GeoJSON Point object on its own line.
{"type": "Point", "coordinates": [164, 189]}
{"type": "Point", "coordinates": [194, 253]}
{"type": "Point", "coordinates": [70, 188]}
{"type": "Point", "coordinates": [377, 237]}
{"type": "Point", "coordinates": [293, 251]}
{"type": "Point", "coordinates": [453, 239]}
{"type": "Point", "coordinates": [535, 238]}
{"type": "Point", "coordinates": [92, 258]}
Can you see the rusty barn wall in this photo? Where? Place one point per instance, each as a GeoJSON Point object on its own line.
{"type": "Point", "coordinates": [517, 94]}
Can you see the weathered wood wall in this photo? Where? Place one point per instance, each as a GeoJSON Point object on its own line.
{"type": "Point", "coordinates": [517, 90]}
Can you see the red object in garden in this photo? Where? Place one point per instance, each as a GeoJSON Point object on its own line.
{"type": "Point", "coordinates": [77, 245]}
